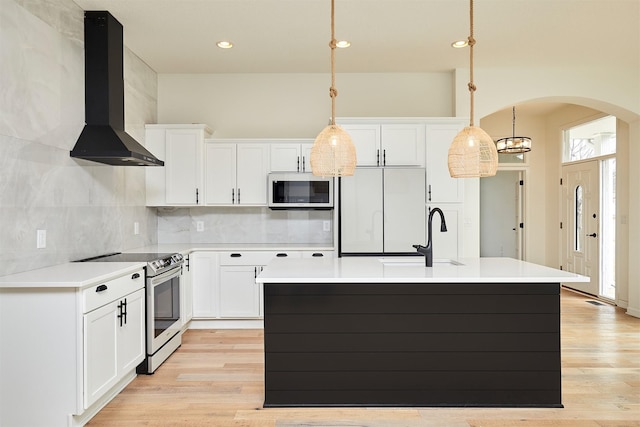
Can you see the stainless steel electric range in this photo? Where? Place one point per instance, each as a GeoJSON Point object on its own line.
{"type": "Point", "coordinates": [163, 322]}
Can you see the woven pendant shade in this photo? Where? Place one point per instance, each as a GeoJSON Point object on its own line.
{"type": "Point", "coordinates": [472, 154]}
{"type": "Point", "coordinates": [333, 152]}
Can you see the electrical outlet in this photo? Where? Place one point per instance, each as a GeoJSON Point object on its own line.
{"type": "Point", "coordinates": [41, 239]}
{"type": "Point", "coordinates": [326, 225]}
{"type": "Point", "coordinates": [199, 226]}
{"type": "Point", "coordinates": [136, 228]}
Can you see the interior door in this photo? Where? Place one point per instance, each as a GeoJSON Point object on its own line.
{"type": "Point", "coordinates": [501, 215]}
{"type": "Point", "coordinates": [580, 222]}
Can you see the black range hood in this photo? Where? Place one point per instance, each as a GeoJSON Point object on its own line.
{"type": "Point", "coordinates": [103, 138]}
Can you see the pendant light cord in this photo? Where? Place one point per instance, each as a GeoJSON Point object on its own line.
{"type": "Point", "coordinates": [333, 92]}
{"type": "Point", "coordinates": [471, 41]}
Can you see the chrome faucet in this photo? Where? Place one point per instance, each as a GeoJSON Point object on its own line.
{"type": "Point", "coordinates": [427, 251]}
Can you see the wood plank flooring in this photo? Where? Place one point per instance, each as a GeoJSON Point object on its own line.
{"type": "Point", "coordinates": [216, 379]}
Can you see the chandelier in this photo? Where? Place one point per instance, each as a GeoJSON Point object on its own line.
{"type": "Point", "coordinates": [514, 144]}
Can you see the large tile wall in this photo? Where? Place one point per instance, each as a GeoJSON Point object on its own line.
{"type": "Point", "coordinates": [86, 208]}
{"type": "Point", "coordinates": [244, 225]}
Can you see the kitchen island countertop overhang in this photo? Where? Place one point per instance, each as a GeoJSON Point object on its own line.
{"type": "Point", "coordinates": [373, 269]}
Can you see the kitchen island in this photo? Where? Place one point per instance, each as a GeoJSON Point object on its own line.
{"type": "Point", "coordinates": [370, 331]}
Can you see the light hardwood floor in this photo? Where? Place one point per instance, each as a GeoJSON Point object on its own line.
{"type": "Point", "coordinates": [216, 379]}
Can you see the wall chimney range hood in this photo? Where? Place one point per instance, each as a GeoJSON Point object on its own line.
{"type": "Point", "coordinates": [103, 138]}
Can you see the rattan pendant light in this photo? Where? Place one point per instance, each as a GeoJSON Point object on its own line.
{"type": "Point", "coordinates": [333, 153]}
{"type": "Point", "coordinates": [472, 153]}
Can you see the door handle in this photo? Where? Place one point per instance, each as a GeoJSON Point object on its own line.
{"type": "Point", "coordinates": [592, 235]}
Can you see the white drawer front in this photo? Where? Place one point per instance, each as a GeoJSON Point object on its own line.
{"type": "Point", "coordinates": [254, 257]}
{"type": "Point", "coordinates": [104, 293]}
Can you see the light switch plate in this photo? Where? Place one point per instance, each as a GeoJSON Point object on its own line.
{"type": "Point", "coordinates": [136, 228]}
{"type": "Point", "coordinates": [199, 225]}
{"type": "Point", "coordinates": [41, 239]}
{"type": "Point", "coordinates": [326, 225]}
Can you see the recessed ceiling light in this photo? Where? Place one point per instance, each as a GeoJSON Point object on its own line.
{"type": "Point", "coordinates": [343, 43]}
{"type": "Point", "coordinates": [224, 44]}
{"type": "Point", "coordinates": [460, 44]}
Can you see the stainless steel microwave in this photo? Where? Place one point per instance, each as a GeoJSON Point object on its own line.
{"type": "Point", "coordinates": [299, 190]}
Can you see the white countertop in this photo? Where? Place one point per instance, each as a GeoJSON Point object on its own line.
{"type": "Point", "coordinates": [83, 274]}
{"type": "Point", "coordinates": [410, 270]}
{"type": "Point", "coordinates": [70, 275]}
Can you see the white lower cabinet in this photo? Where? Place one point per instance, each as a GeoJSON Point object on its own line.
{"type": "Point", "coordinates": [224, 283]}
{"type": "Point", "coordinates": [114, 343]}
{"type": "Point", "coordinates": [67, 351]}
{"type": "Point", "coordinates": [239, 294]}
{"type": "Point", "coordinates": [186, 292]}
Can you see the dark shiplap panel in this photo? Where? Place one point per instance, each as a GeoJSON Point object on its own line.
{"type": "Point", "coordinates": [412, 344]}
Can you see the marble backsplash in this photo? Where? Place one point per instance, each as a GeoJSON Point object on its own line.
{"type": "Point", "coordinates": [244, 225]}
{"type": "Point", "coordinates": [86, 208]}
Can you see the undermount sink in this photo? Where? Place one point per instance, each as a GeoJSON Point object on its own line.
{"type": "Point", "coordinates": [415, 261]}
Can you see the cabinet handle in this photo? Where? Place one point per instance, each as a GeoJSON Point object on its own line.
{"type": "Point", "coordinates": [235, 255]}
{"type": "Point", "coordinates": [125, 311]}
{"type": "Point", "coordinates": [378, 157]}
{"type": "Point", "coordinates": [429, 192]}
{"type": "Point", "coordinates": [282, 254]}
{"type": "Point", "coordinates": [101, 288]}
{"type": "Point", "coordinates": [304, 166]}
{"type": "Point", "coordinates": [135, 276]}
{"type": "Point", "coordinates": [120, 314]}
{"type": "Point", "coordinates": [298, 165]}
{"type": "Point", "coordinates": [197, 197]}
{"type": "Point", "coordinates": [384, 157]}
{"type": "Point", "coordinates": [238, 195]}
{"type": "Point", "coordinates": [317, 254]}
{"type": "Point", "coordinates": [255, 272]}
{"type": "Point", "coordinates": [233, 195]}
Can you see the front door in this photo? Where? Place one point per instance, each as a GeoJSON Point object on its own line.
{"type": "Point", "coordinates": [580, 222]}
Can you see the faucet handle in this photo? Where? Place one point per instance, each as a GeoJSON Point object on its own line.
{"type": "Point", "coordinates": [418, 246]}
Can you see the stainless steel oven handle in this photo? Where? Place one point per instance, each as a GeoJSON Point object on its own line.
{"type": "Point", "coordinates": [174, 272]}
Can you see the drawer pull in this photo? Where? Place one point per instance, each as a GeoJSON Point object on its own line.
{"type": "Point", "coordinates": [101, 288]}
{"type": "Point", "coordinates": [282, 254]}
{"type": "Point", "coordinates": [235, 255]}
{"type": "Point", "coordinates": [135, 276]}
{"type": "Point", "coordinates": [317, 254]}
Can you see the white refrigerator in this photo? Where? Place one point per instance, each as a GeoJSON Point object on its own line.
{"type": "Point", "coordinates": [382, 210]}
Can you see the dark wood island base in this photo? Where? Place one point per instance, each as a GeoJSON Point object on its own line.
{"type": "Point", "coordinates": [412, 344]}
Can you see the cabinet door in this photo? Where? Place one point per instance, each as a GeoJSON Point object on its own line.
{"type": "Point", "coordinates": [403, 144]}
{"type": "Point", "coordinates": [220, 174]}
{"type": "Point", "coordinates": [305, 149]}
{"type": "Point", "coordinates": [239, 293]}
{"type": "Point", "coordinates": [366, 139]}
{"type": "Point", "coordinates": [440, 186]}
{"type": "Point", "coordinates": [131, 334]}
{"type": "Point", "coordinates": [404, 198]}
{"type": "Point", "coordinates": [155, 177]}
{"type": "Point", "coordinates": [285, 157]}
{"type": "Point", "coordinates": [100, 352]}
{"type": "Point", "coordinates": [186, 289]}
{"type": "Point", "coordinates": [361, 211]}
{"type": "Point", "coordinates": [182, 164]}
{"type": "Point", "coordinates": [251, 174]}
{"type": "Point", "coordinates": [447, 245]}
{"type": "Point", "coordinates": [204, 268]}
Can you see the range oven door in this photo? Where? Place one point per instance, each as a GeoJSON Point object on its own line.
{"type": "Point", "coordinates": [163, 308]}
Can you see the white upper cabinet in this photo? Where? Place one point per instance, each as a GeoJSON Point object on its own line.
{"type": "Point", "coordinates": [401, 144]}
{"type": "Point", "coordinates": [441, 188]}
{"type": "Point", "coordinates": [180, 181]}
{"type": "Point", "coordinates": [236, 173]}
{"type": "Point", "coordinates": [291, 156]}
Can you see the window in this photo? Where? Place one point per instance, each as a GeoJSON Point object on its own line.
{"type": "Point", "coordinates": [578, 228]}
{"type": "Point", "coordinates": [593, 139]}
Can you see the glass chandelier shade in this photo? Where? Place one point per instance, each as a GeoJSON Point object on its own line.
{"type": "Point", "coordinates": [333, 153]}
{"type": "Point", "coordinates": [514, 144]}
{"type": "Point", "coordinates": [472, 154]}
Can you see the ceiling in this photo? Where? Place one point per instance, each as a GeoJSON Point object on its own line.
{"type": "Point", "coordinates": [291, 36]}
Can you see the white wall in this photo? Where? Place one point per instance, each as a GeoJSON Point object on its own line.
{"type": "Point", "coordinates": [296, 105]}
{"type": "Point", "coordinates": [86, 208]}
